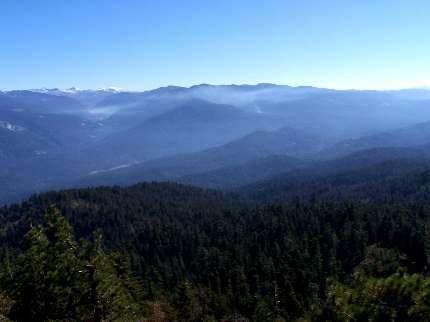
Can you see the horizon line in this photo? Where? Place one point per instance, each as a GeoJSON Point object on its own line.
{"type": "Point", "coordinates": [126, 90]}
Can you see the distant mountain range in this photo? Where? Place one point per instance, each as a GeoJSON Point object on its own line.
{"type": "Point", "coordinates": [220, 136]}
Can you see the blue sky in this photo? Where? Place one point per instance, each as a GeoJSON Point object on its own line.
{"type": "Point", "coordinates": [150, 43]}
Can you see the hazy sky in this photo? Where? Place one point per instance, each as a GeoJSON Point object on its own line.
{"type": "Point", "coordinates": [151, 43]}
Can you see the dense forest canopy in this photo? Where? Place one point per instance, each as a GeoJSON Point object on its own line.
{"type": "Point", "coordinates": [180, 253]}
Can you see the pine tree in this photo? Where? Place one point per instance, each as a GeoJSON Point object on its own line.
{"type": "Point", "coordinates": [55, 278]}
{"type": "Point", "coordinates": [44, 280]}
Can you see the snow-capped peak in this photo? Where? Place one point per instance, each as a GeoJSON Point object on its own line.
{"type": "Point", "coordinates": [56, 91]}
{"type": "Point", "coordinates": [111, 89]}
{"type": "Point", "coordinates": [45, 90]}
{"type": "Point", "coordinates": [76, 90]}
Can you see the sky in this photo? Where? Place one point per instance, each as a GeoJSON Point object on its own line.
{"type": "Point", "coordinates": [144, 44]}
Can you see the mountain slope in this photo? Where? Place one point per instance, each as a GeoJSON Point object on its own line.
{"type": "Point", "coordinates": [196, 125]}
{"type": "Point", "coordinates": [243, 174]}
{"type": "Point", "coordinates": [250, 148]}
{"type": "Point", "coordinates": [411, 136]}
{"type": "Point", "coordinates": [370, 175]}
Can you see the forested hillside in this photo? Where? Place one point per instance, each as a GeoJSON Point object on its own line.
{"type": "Point", "coordinates": [186, 254]}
